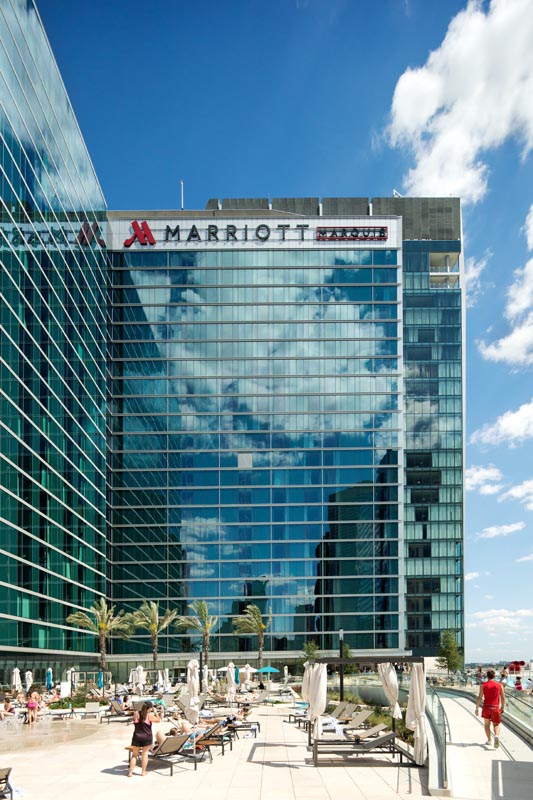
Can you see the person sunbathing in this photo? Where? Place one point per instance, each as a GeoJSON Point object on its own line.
{"type": "Point", "coordinates": [8, 709]}
{"type": "Point", "coordinates": [161, 737]}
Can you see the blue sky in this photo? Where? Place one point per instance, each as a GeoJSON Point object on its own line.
{"type": "Point", "coordinates": [357, 98]}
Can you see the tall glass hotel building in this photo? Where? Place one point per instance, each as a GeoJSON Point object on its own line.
{"type": "Point", "coordinates": [260, 402]}
{"type": "Point", "coordinates": [53, 315]}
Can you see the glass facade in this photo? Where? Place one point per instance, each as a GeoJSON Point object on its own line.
{"type": "Point", "coordinates": [277, 421]}
{"type": "Point", "coordinates": [53, 351]}
{"type": "Point", "coordinates": [433, 366]}
{"type": "Point", "coordinates": [256, 441]}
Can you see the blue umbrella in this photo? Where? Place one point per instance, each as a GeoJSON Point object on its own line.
{"type": "Point", "coordinates": [268, 669]}
{"type": "Point", "coordinates": [237, 679]}
{"type": "Point", "coordinates": [100, 681]}
{"type": "Point", "coordinates": [49, 679]}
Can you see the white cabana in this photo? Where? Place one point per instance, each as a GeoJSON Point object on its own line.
{"type": "Point", "coordinates": [230, 681]}
{"type": "Point", "coordinates": [141, 679]}
{"type": "Point", "coordinates": [192, 709]}
{"type": "Point", "coordinates": [318, 696]}
{"type": "Point", "coordinates": [28, 679]}
{"type": "Point", "coordinates": [205, 678]}
{"type": "Point", "coordinates": [246, 674]}
{"type": "Point", "coordinates": [73, 676]}
{"type": "Point", "coordinates": [16, 682]}
{"type": "Point", "coordinates": [415, 717]}
{"type": "Point", "coordinates": [305, 682]}
{"type": "Point", "coordinates": [389, 679]}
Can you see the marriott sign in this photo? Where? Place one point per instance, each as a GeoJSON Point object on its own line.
{"type": "Point", "coordinates": [197, 233]}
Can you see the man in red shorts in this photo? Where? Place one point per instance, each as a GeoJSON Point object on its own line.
{"type": "Point", "coordinates": [492, 695]}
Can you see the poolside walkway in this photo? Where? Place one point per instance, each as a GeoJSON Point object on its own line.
{"type": "Point", "coordinates": [84, 760]}
{"type": "Point", "coordinates": [479, 772]}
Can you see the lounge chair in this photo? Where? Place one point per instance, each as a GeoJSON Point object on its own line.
{"type": "Point", "coordinates": [339, 708]}
{"type": "Point", "coordinates": [92, 709]}
{"type": "Point", "coordinates": [354, 723]}
{"type": "Point", "coordinates": [262, 697]}
{"type": "Point", "coordinates": [347, 713]}
{"type": "Point", "coordinates": [358, 719]}
{"type": "Point", "coordinates": [116, 713]}
{"type": "Point", "coordinates": [178, 748]}
{"type": "Point", "coordinates": [348, 747]}
{"type": "Point", "coordinates": [358, 736]}
{"type": "Point", "coordinates": [6, 790]}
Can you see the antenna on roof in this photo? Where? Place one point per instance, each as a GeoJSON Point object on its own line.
{"type": "Point", "coordinates": [395, 193]}
{"type": "Point", "coordinates": [181, 182]}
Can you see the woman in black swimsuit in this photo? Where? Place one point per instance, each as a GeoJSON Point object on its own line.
{"type": "Point", "coordinates": [142, 736]}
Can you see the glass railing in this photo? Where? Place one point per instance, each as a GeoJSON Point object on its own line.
{"type": "Point", "coordinates": [435, 712]}
{"type": "Point", "coordinates": [519, 706]}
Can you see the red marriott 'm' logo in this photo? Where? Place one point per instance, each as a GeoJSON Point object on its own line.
{"type": "Point", "coordinates": [141, 232]}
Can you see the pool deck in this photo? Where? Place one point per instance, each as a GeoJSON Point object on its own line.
{"type": "Point", "coordinates": [83, 759]}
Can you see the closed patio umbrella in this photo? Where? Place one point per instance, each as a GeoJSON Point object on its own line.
{"type": "Point", "coordinates": [247, 673]}
{"type": "Point", "coordinates": [49, 679]}
{"type": "Point", "coordinates": [389, 679]}
{"type": "Point", "coordinates": [16, 683]}
{"type": "Point", "coordinates": [100, 680]}
{"type": "Point", "coordinates": [166, 680]}
{"type": "Point", "coordinates": [318, 697]}
{"type": "Point", "coordinates": [134, 677]}
{"type": "Point", "coordinates": [230, 681]}
{"type": "Point", "coordinates": [141, 680]}
{"type": "Point", "coordinates": [415, 717]}
{"type": "Point", "coordinates": [192, 710]}
{"type": "Point", "coordinates": [305, 681]}
{"type": "Point", "coordinates": [28, 679]}
{"type": "Point", "coordinates": [205, 678]}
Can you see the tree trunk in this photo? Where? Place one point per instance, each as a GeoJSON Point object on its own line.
{"type": "Point", "coordinates": [155, 654]}
{"type": "Point", "coordinates": [261, 642]}
{"type": "Point", "coordinates": [102, 652]}
{"type": "Point", "coordinates": [206, 651]}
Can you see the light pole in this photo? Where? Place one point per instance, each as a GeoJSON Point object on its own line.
{"type": "Point", "coordinates": [341, 665]}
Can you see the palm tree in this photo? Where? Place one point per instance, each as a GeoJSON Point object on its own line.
{"type": "Point", "coordinates": [103, 621]}
{"type": "Point", "coordinates": [147, 617]}
{"type": "Point", "coordinates": [202, 622]}
{"type": "Point", "coordinates": [252, 622]}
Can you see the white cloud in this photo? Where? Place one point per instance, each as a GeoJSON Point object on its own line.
{"type": "Point", "coordinates": [495, 531]}
{"type": "Point", "coordinates": [471, 576]}
{"type": "Point", "coordinates": [523, 493]}
{"type": "Point", "coordinates": [516, 348]}
{"type": "Point", "coordinates": [512, 428]}
{"type": "Point", "coordinates": [488, 597]}
{"type": "Point", "coordinates": [482, 478]}
{"type": "Point", "coordinates": [473, 270]}
{"type": "Point", "coordinates": [528, 228]}
{"type": "Point", "coordinates": [493, 488]}
{"type": "Point", "coordinates": [520, 292]}
{"type": "Point", "coordinates": [518, 621]}
{"type": "Point", "coordinates": [524, 558]}
{"type": "Point", "coordinates": [467, 100]}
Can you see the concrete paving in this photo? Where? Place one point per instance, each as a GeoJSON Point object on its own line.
{"type": "Point", "coordinates": [82, 760]}
{"type": "Point", "coordinates": [480, 772]}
